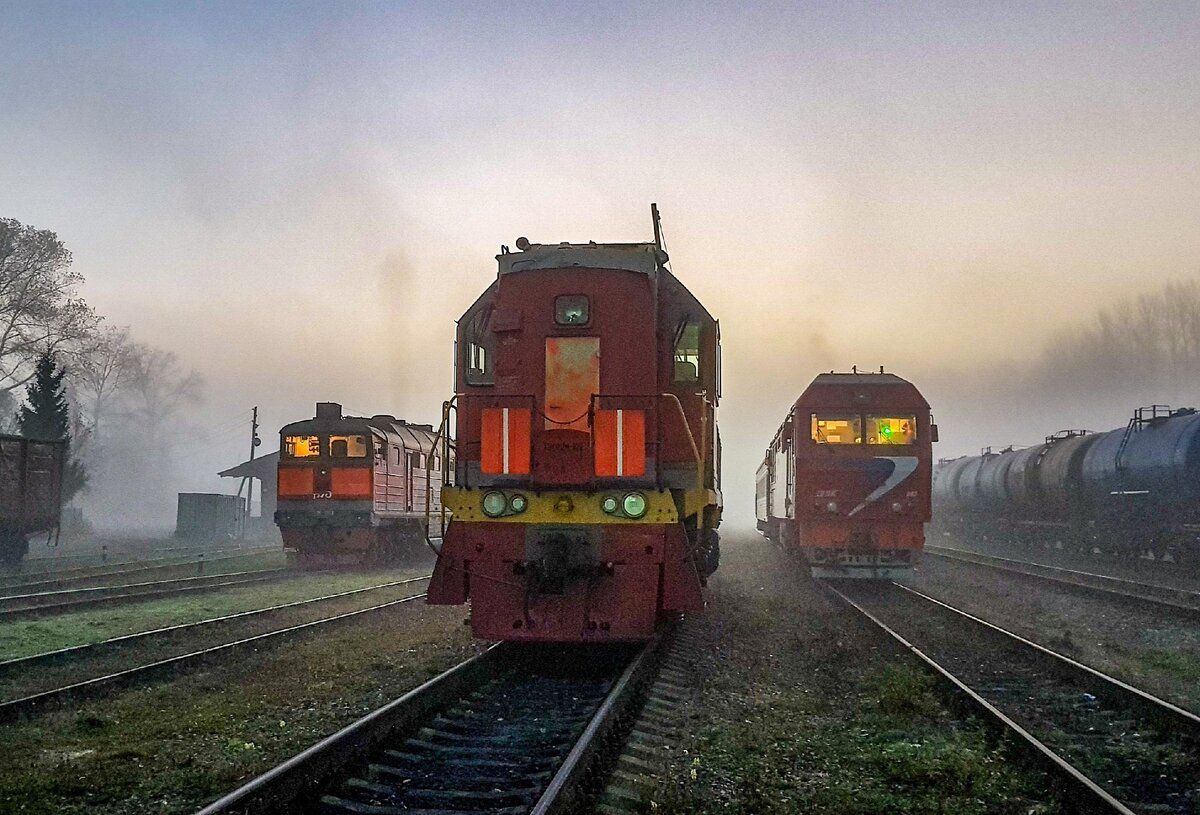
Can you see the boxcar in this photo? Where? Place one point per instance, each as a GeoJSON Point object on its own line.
{"type": "Point", "coordinates": [30, 492]}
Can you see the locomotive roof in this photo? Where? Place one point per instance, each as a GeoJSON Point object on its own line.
{"type": "Point", "coordinates": [329, 419]}
{"type": "Point", "coordinates": [633, 257]}
{"type": "Point", "coordinates": [832, 378]}
{"type": "Point", "coordinates": [860, 390]}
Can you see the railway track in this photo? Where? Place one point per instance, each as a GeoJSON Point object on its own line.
{"type": "Point", "coordinates": [517, 729]}
{"type": "Point", "coordinates": [62, 581]}
{"type": "Point", "coordinates": [1151, 594]}
{"type": "Point", "coordinates": [19, 606]}
{"type": "Point", "coordinates": [15, 708]}
{"type": "Point", "coordinates": [35, 568]}
{"type": "Point", "coordinates": [1111, 747]}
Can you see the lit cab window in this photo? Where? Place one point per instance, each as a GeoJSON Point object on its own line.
{"type": "Point", "coordinates": [571, 309]}
{"type": "Point", "coordinates": [301, 446]}
{"type": "Point", "coordinates": [348, 446]}
{"type": "Point", "coordinates": [836, 429]}
{"type": "Point", "coordinates": [891, 429]}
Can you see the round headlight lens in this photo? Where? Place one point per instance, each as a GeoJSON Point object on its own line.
{"type": "Point", "coordinates": [494, 504]}
{"type": "Point", "coordinates": [634, 505]}
{"type": "Point", "coordinates": [518, 503]}
{"type": "Point", "coordinates": [610, 504]}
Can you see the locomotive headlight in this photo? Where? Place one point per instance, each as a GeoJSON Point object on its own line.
{"type": "Point", "coordinates": [610, 504]}
{"type": "Point", "coordinates": [518, 503]}
{"type": "Point", "coordinates": [897, 507]}
{"type": "Point", "coordinates": [634, 505]}
{"type": "Point", "coordinates": [831, 506]}
{"type": "Point", "coordinates": [494, 504]}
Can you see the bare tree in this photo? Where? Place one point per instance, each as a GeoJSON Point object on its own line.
{"type": "Point", "coordinates": [158, 389]}
{"type": "Point", "coordinates": [102, 369]}
{"type": "Point", "coordinates": [1148, 344]}
{"type": "Point", "coordinates": [40, 311]}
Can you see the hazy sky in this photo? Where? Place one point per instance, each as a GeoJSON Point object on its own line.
{"type": "Point", "coordinates": [298, 200]}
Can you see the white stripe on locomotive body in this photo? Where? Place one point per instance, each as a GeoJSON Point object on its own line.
{"type": "Point", "coordinates": [504, 446]}
{"type": "Point", "coordinates": [620, 442]}
{"type": "Point", "coordinates": [904, 466]}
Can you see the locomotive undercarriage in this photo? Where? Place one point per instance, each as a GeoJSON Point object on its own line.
{"type": "Point", "coordinates": [326, 543]}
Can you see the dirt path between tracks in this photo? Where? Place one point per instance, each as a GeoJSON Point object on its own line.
{"type": "Point", "coordinates": [797, 711]}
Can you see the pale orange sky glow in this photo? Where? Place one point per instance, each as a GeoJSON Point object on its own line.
{"type": "Point", "coordinates": [300, 200]}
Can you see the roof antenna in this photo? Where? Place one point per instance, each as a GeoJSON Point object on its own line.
{"type": "Point", "coordinates": [654, 217]}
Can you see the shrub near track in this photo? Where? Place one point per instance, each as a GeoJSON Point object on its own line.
{"type": "Point", "coordinates": [172, 748]}
{"type": "Point", "coordinates": [797, 710]}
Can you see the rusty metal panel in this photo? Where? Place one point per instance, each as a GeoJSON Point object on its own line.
{"type": "Point", "coordinates": [572, 377]}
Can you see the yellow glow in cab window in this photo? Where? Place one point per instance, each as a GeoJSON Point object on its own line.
{"type": "Point", "coordinates": [348, 446]}
{"type": "Point", "coordinates": [891, 429]}
{"type": "Point", "coordinates": [302, 446]}
{"type": "Point", "coordinates": [836, 429]}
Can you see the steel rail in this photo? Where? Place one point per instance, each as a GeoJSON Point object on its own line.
{"type": "Point", "coordinates": [1153, 594]}
{"type": "Point", "coordinates": [302, 775]}
{"type": "Point", "coordinates": [1093, 798]}
{"type": "Point", "coordinates": [214, 582]}
{"type": "Point", "coordinates": [15, 708]}
{"type": "Point", "coordinates": [1165, 713]}
{"type": "Point", "coordinates": [566, 790]}
{"type": "Point", "coordinates": [297, 784]}
{"type": "Point", "coordinates": [91, 647]}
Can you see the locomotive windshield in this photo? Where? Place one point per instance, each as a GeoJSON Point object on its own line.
{"type": "Point", "coordinates": [835, 428]}
{"type": "Point", "coordinates": [301, 446]}
{"type": "Point", "coordinates": [891, 429]}
{"type": "Point", "coordinates": [830, 428]}
{"type": "Point", "coordinates": [348, 446]}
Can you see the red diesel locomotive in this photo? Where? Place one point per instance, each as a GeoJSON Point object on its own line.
{"type": "Point", "coordinates": [353, 490]}
{"type": "Point", "coordinates": [587, 496]}
{"type": "Point", "coordinates": [845, 483]}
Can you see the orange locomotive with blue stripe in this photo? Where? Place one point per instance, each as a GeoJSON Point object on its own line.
{"type": "Point", "coordinates": [586, 490]}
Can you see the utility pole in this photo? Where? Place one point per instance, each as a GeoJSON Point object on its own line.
{"type": "Point", "coordinates": [657, 227]}
{"type": "Point", "coordinates": [249, 480]}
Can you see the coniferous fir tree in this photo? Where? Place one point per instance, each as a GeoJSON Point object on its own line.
{"type": "Point", "coordinates": [47, 416]}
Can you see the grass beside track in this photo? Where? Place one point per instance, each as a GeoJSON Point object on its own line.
{"type": "Point", "coordinates": [25, 637]}
{"type": "Point", "coordinates": [172, 748]}
{"type": "Point", "coordinates": [798, 712]}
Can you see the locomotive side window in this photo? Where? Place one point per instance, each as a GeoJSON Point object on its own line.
{"type": "Point", "coordinates": [687, 351]}
{"type": "Point", "coordinates": [479, 345]}
{"type": "Point", "coordinates": [891, 429]}
{"type": "Point", "coordinates": [301, 446]}
{"type": "Point", "coordinates": [833, 428]}
{"type": "Point", "coordinates": [571, 309]}
{"type": "Point", "coordinates": [348, 446]}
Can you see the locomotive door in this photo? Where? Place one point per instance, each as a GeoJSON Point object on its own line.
{"type": "Point", "coordinates": [408, 480]}
{"type": "Point", "coordinates": [572, 376]}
